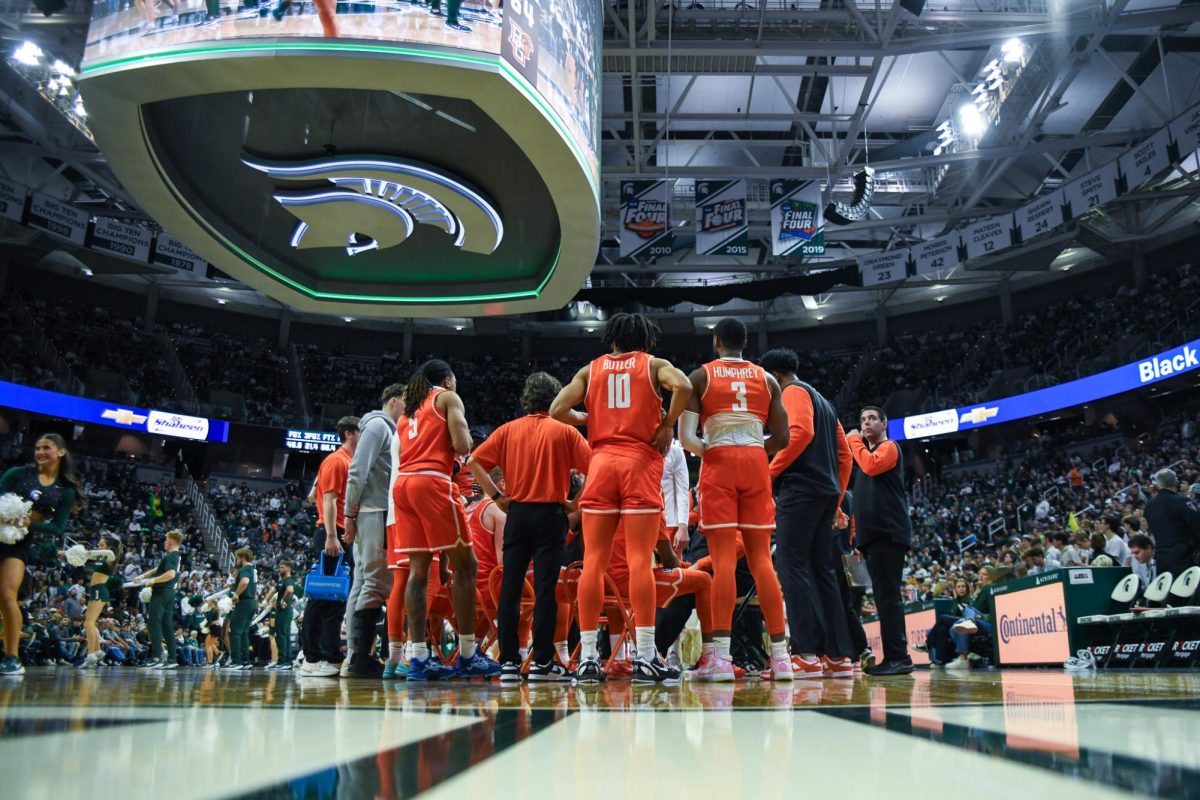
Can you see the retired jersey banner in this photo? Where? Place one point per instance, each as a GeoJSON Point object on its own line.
{"type": "Point", "coordinates": [1092, 190]}
{"type": "Point", "coordinates": [1145, 160]}
{"type": "Point", "coordinates": [722, 228]}
{"type": "Point", "coordinates": [796, 222]}
{"type": "Point", "coordinates": [645, 221]}
{"type": "Point", "coordinates": [989, 236]}
{"type": "Point", "coordinates": [936, 254]}
{"type": "Point", "coordinates": [1185, 131]}
{"type": "Point", "coordinates": [1040, 216]}
{"type": "Point", "coordinates": [890, 266]}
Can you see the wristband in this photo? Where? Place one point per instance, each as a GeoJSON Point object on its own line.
{"type": "Point", "coordinates": [497, 496]}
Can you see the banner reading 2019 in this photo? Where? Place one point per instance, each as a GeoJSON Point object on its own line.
{"type": "Point", "coordinates": [796, 218]}
{"type": "Point", "coordinates": [645, 220]}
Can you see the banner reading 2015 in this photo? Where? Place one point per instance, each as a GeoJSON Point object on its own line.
{"type": "Point", "coordinates": [721, 224]}
{"type": "Point", "coordinates": [645, 221]}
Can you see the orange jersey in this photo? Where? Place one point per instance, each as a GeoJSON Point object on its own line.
{"type": "Point", "coordinates": [331, 479]}
{"type": "Point", "coordinates": [735, 386]}
{"type": "Point", "coordinates": [483, 540]}
{"type": "Point", "coordinates": [425, 444]}
{"type": "Point", "coordinates": [623, 404]}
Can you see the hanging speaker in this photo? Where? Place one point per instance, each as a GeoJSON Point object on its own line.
{"type": "Point", "coordinates": [914, 7]}
{"type": "Point", "coordinates": [860, 203]}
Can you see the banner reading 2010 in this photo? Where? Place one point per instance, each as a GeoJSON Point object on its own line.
{"type": "Point", "coordinates": [645, 221]}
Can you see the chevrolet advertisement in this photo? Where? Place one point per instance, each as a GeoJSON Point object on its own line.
{"type": "Point", "coordinates": [1128, 377]}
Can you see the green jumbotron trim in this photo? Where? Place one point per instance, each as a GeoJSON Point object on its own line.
{"type": "Point", "coordinates": [514, 77]}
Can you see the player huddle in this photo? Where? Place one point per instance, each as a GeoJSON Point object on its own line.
{"type": "Point", "coordinates": [730, 412]}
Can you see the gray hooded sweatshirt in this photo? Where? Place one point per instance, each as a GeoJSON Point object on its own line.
{"type": "Point", "coordinates": [369, 481]}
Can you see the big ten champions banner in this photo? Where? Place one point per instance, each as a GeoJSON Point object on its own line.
{"type": "Point", "coordinates": [721, 223]}
{"type": "Point", "coordinates": [796, 218]}
{"type": "Point", "coordinates": [645, 220]}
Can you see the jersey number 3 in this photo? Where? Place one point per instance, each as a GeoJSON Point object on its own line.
{"type": "Point", "coordinates": [412, 428]}
{"type": "Point", "coordinates": [618, 390]}
{"type": "Point", "coordinates": [739, 389]}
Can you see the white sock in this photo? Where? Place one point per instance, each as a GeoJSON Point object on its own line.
{"type": "Point", "coordinates": [587, 646]}
{"type": "Point", "coordinates": [418, 651]}
{"type": "Point", "coordinates": [395, 652]}
{"type": "Point", "coordinates": [524, 651]}
{"type": "Point", "coordinates": [613, 638]}
{"type": "Point", "coordinates": [722, 645]}
{"type": "Point", "coordinates": [709, 648]}
{"type": "Point", "coordinates": [466, 645]}
{"type": "Point", "coordinates": [779, 650]}
{"type": "Point", "coordinates": [646, 647]}
{"type": "Point", "coordinates": [563, 654]}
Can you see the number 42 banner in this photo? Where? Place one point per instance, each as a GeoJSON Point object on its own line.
{"type": "Point", "coordinates": [721, 225]}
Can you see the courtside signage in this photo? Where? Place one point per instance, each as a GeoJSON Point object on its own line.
{"type": "Point", "coordinates": [83, 409]}
{"type": "Point", "coordinates": [1166, 364]}
{"type": "Point", "coordinates": [1031, 626]}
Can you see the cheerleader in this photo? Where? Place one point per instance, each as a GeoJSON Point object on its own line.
{"type": "Point", "coordinates": [103, 561]}
{"type": "Point", "coordinates": [212, 631]}
{"type": "Point", "coordinates": [51, 485]}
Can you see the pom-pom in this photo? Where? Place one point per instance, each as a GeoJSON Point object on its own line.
{"type": "Point", "coordinates": [186, 607]}
{"type": "Point", "coordinates": [14, 518]}
{"type": "Point", "coordinates": [145, 594]}
{"type": "Point", "coordinates": [225, 605]}
{"type": "Point", "coordinates": [77, 555]}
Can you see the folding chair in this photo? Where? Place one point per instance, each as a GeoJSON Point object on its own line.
{"type": "Point", "coordinates": [495, 581]}
{"type": "Point", "coordinates": [443, 610]}
{"type": "Point", "coordinates": [751, 645]}
{"type": "Point", "coordinates": [1124, 653]}
{"type": "Point", "coordinates": [1121, 598]}
{"type": "Point", "coordinates": [1183, 615]}
{"type": "Point", "coordinates": [614, 603]}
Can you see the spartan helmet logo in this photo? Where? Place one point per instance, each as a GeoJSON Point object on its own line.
{"type": "Point", "coordinates": [375, 203]}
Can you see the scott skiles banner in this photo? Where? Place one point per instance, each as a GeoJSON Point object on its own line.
{"type": "Point", "coordinates": [722, 228]}
{"type": "Point", "coordinates": [1134, 375]}
{"type": "Point", "coordinates": [645, 219]}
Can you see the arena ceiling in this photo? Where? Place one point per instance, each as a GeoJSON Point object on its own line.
{"type": "Point", "coordinates": [805, 89]}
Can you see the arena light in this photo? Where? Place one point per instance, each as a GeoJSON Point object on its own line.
{"type": "Point", "coordinates": [63, 68]}
{"type": "Point", "coordinates": [28, 54]}
{"type": "Point", "coordinates": [972, 121]}
{"type": "Point", "coordinates": [1014, 50]}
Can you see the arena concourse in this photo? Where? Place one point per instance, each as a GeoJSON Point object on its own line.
{"type": "Point", "coordinates": [682, 400]}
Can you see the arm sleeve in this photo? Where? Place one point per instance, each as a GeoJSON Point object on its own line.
{"type": "Point", "coordinates": [370, 445]}
{"type": "Point", "coordinates": [55, 527]}
{"type": "Point", "coordinates": [678, 501]}
{"type": "Point", "coordinates": [885, 457]}
{"type": "Point", "coordinates": [800, 428]}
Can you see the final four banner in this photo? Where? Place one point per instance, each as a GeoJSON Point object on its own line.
{"type": "Point", "coordinates": [796, 218]}
{"type": "Point", "coordinates": [722, 228]}
{"type": "Point", "coordinates": [645, 222]}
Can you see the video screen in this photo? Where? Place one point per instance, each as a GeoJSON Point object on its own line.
{"type": "Point", "coordinates": [555, 46]}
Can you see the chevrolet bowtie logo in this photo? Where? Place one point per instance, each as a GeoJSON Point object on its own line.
{"type": "Point", "coordinates": [123, 416]}
{"type": "Point", "coordinates": [978, 415]}
{"type": "Point", "coordinates": [375, 203]}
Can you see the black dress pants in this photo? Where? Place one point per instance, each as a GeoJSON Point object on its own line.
{"type": "Point", "coordinates": [321, 632]}
{"type": "Point", "coordinates": [537, 532]}
{"type": "Point", "coordinates": [885, 563]}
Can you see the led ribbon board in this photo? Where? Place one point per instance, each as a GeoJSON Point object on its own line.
{"type": "Point", "coordinates": [1135, 375]}
{"type": "Point", "coordinates": [82, 409]}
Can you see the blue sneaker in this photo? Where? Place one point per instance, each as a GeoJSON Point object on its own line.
{"type": "Point", "coordinates": [477, 666]}
{"type": "Point", "coordinates": [429, 669]}
{"type": "Point", "coordinates": [394, 671]}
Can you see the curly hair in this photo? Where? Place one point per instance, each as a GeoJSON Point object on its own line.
{"type": "Point", "coordinates": [630, 333]}
{"type": "Point", "coordinates": [540, 390]}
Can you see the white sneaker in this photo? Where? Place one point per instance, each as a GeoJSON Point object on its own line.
{"type": "Point", "coordinates": [327, 670]}
{"type": "Point", "coordinates": [959, 663]}
{"type": "Point", "coordinates": [345, 669]}
{"type": "Point", "coordinates": [171, 665]}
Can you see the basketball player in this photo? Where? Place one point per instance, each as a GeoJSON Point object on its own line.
{"type": "Point", "coordinates": [733, 400]}
{"type": "Point", "coordinates": [430, 518]}
{"type": "Point", "coordinates": [628, 434]}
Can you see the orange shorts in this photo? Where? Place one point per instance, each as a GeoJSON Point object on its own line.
{"type": "Point", "coordinates": [429, 516]}
{"type": "Point", "coordinates": [623, 482]}
{"type": "Point", "coordinates": [735, 489]}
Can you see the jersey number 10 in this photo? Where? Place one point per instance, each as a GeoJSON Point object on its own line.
{"type": "Point", "coordinates": [618, 390]}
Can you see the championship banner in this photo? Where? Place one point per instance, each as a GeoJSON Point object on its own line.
{"type": "Point", "coordinates": [936, 254]}
{"type": "Point", "coordinates": [1092, 190]}
{"type": "Point", "coordinates": [1185, 132]}
{"type": "Point", "coordinates": [722, 227]}
{"type": "Point", "coordinates": [12, 200]}
{"type": "Point", "coordinates": [170, 252]}
{"type": "Point", "coordinates": [1040, 216]}
{"type": "Point", "coordinates": [989, 236]}
{"type": "Point", "coordinates": [796, 222]}
{"type": "Point", "coordinates": [1145, 160]}
{"type": "Point", "coordinates": [645, 225]}
{"type": "Point", "coordinates": [881, 268]}
{"type": "Point", "coordinates": [58, 218]}
{"type": "Point", "coordinates": [119, 239]}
